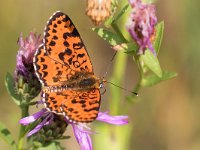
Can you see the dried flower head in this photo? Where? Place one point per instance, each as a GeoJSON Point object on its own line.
{"type": "Point", "coordinates": [98, 10]}
{"type": "Point", "coordinates": [141, 25]}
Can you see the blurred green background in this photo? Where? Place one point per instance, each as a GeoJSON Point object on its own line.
{"type": "Point", "coordinates": [166, 116]}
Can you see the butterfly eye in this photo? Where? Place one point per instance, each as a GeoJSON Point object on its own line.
{"type": "Point", "coordinates": [101, 85]}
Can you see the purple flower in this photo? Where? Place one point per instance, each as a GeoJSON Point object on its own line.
{"type": "Point", "coordinates": [26, 82]}
{"type": "Point", "coordinates": [27, 48]}
{"type": "Point", "coordinates": [141, 24]}
{"type": "Point", "coordinates": [81, 130]}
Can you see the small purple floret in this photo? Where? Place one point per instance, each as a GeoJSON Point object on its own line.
{"type": "Point", "coordinates": [32, 118]}
{"type": "Point", "coordinates": [116, 120]}
{"type": "Point", "coordinates": [82, 137]}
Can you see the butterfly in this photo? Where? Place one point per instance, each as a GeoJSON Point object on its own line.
{"type": "Point", "coordinates": [65, 71]}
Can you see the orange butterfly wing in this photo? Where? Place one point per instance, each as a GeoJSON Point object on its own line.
{"type": "Point", "coordinates": [63, 43]}
{"type": "Point", "coordinates": [50, 72]}
{"type": "Point", "coordinates": [61, 56]}
{"type": "Point", "coordinates": [77, 106]}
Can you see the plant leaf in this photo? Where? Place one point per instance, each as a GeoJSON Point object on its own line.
{"type": "Point", "coordinates": [151, 62]}
{"type": "Point", "coordinates": [159, 36]}
{"type": "Point", "coordinates": [6, 135]}
{"type": "Point", "coordinates": [9, 82]}
{"type": "Point", "coordinates": [112, 38]}
{"type": "Point", "coordinates": [153, 79]}
{"type": "Point", "coordinates": [128, 48]}
{"type": "Point", "coordinates": [123, 10]}
{"type": "Point", "coordinates": [51, 146]}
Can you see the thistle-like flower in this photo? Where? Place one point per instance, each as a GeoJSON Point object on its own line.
{"type": "Point", "coordinates": [141, 25]}
{"type": "Point", "coordinates": [81, 130]}
{"type": "Point", "coordinates": [26, 82]}
{"type": "Point", "coordinates": [98, 10]}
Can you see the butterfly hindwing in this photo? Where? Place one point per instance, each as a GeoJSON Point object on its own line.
{"type": "Point", "coordinates": [77, 106]}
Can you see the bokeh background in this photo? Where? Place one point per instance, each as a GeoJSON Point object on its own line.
{"type": "Point", "coordinates": [165, 116]}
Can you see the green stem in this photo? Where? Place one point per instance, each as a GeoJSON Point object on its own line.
{"type": "Point", "coordinates": [24, 113]}
{"type": "Point", "coordinates": [118, 74]}
{"type": "Point", "coordinates": [140, 70]}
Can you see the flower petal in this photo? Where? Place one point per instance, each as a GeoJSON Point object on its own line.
{"type": "Point", "coordinates": [40, 125]}
{"type": "Point", "coordinates": [116, 120]}
{"type": "Point", "coordinates": [83, 138]}
{"type": "Point", "coordinates": [32, 118]}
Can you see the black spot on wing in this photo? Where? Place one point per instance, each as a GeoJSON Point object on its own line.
{"type": "Point", "coordinates": [95, 108]}
{"type": "Point", "coordinates": [44, 74]}
{"type": "Point", "coordinates": [52, 43]}
{"type": "Point", "coordinates": [55, 37]}
{"type": "Point", "coordinates": [61, 56]}
{"type": "Point", "coordinates": [42, 59]}
{"type": "Point", "coordinates": [59, 22]}
{"type": "Point", "coordinates": [65, 43]}
{"type": "Point", "coordinates": [44, 67]}
{"type": "Point", "coordinates": [55, 26]}
{"type": "Point", "coordinates": [68, 51]}
{"type": "Point", "coordinates": [74, 33]}
{"type": "Point", "coordinates": [78, 45]}
{"type": "Point", "coordinates": [70, 61]}
{"type": "Point", "coordinates": [54, 31]}
{"type": "Point", "coordinates": [81, 55]}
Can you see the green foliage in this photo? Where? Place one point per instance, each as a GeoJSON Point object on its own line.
{"type": "Point", "coordinates": [128, 48]}
{"type": "Point", "coordinates": [7, 137]}
{"type": "Point", "coordinates": [112, 38]}
{"type": "Point", "coordinates": [151, 62]}
{"type": "Point", "coordinates": [121, 13]}
{"type": "Point", "coordinates": [50, 146]}
{"type": "Point", "coordinates": [159, 35]}
{"type": "Point", "coordinates": [153, 79]}
{"type": "Point", "coordinates": [112, 19]}
{"type": "Point", "coordinates": [9, 82]}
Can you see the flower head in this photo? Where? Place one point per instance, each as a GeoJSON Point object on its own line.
{"type": "Point", "coordinates": [81, 130]}
{"type": "Point", "coordinates": [26, 82]}
{"type": "Point", "coordinates": [98, 10]}
{"type": "Point", "coordinates": [27, 48]}
{"type": "Point", "coordinates": [141, 25]}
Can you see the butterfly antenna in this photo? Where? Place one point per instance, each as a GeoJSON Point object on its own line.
{"type": "Point", "coordinates": [108, 67]}
{"type": "Point", "coordinates": [123, 88]}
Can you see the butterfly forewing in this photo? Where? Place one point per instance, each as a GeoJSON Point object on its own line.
{"type": "Point", "coordinates": [63, 43]}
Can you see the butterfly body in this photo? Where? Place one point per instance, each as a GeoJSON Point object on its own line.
{"type": "Point", "coordinates": [63, 67]}
{"type": "Point", "coordinates": [79, 81]}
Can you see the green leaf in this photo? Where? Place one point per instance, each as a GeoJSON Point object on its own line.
{"type": "Point", "coordinates": [159, 36]}
{"type": "Point", "coordinates": [51, 146]}
{"type": "Point", "coordinates": [112, 38]}
{"type": "Point", "coordinates": [6, 135]}
{"type": "Point", "coordinates": [123, 10]}
{"type": "Point", "coordinates": [153, 79]}
{"type": "Point", "coordinates": [9, 82]}
{"type": "Point", "coordinates": [151, 62]}
{"type": "Point", "coordinates": [128, 48]}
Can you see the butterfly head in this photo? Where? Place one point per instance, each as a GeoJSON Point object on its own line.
{"type": "Point", "coordinates": [102, 85]}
